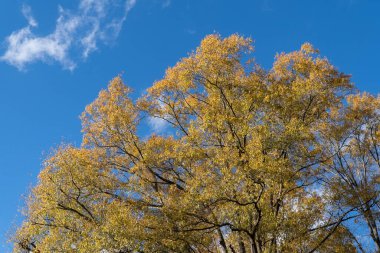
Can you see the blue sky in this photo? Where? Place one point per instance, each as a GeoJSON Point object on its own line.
{"type": "Point", "coordinates": [56, 55]}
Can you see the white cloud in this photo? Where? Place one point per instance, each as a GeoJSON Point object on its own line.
{"type": "Point", "coordinates": [77, 32]}
{"type": "Point", "coordinates": [158, 125]}
{"type": "Point", "coordinates": [27, 12]}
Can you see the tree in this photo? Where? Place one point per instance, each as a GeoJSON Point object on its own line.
{"type": "Point", "coordinates": [353, 172]}
{"type": "Point", "coordinates": [248, 163]}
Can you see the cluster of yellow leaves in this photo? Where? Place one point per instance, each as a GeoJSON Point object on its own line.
{"type": "Point", "coordinates": [237, 172]}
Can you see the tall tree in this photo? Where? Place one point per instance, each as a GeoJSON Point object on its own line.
{"type": "Point", "coordinates": [248, 163]}
{"type": "Point", "coordinates": [352, 175]}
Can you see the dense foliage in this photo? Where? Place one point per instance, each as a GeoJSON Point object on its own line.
{"type": "Point", "coordinates": [252, 161]}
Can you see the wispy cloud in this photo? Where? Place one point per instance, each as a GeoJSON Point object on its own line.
{"type": "Point", "coordinates": [27, 12]}
{"type": "Point", "coordinates": [191, 31]}
{"type": "Point", "coordinates": [77, 32]}
{"type": "Point", "coordinates": [158, 125]}
{"type": "Point", "coordinates": [166, 3]}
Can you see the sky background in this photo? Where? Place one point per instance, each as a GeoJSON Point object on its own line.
{"type": "Point", "coordinates": [55, 56]}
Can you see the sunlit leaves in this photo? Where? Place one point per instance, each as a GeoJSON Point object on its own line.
{"type": "Point", "coordinates": [239, 170]}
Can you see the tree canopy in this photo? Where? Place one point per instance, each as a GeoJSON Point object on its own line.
{"type": "Point", "coordinates": [252, 161]}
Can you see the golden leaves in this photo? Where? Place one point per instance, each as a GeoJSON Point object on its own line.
{"type": "Point", "coordinates": [239, 170]}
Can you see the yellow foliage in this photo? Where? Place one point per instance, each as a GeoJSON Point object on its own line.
{"type": "Point", "coordinates": [238, 170]}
